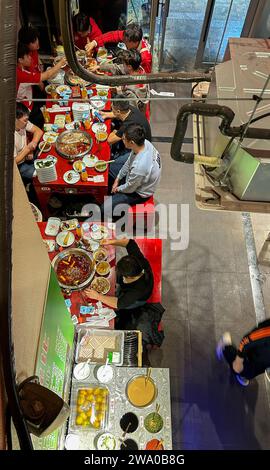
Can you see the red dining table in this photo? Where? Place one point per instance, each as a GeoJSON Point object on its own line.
{"type": "Point", "coordinates": [77, 298]}
{"type": "Point", "coordinates": [102, 150]}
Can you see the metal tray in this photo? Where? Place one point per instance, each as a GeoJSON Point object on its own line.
{"type": "Point", "coordinates": [89, 407]}
{"type": "Point", "coordinates": [119, 405]}
{"type": "Point", "coordinates": [91, 332]}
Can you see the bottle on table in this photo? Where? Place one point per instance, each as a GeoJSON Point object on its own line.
{"type": "Point", "coordinates": [84, 93]}
{"type": "Point", "coordinates": [79, 231]}
{"type": "Point", "coordinates": [68, 117]}
{"type": "Point", "coordinates": [86, 121]}
{"type": "Point", "coordinates": [46, 114]}
{"type": "Point", "coordinates": [84, 175]}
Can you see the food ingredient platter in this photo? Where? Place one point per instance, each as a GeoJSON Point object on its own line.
{"type": "Point", "coordinates": [119, 406]}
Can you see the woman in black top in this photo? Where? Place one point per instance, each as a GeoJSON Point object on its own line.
{"type": "Point", "coordinates": [134, 277]}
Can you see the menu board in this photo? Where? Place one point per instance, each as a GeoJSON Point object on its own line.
{"type": "Point", "coordinates": [53, 365]}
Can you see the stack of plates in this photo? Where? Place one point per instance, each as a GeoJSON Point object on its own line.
{"type": "Point", "coordinates": [130, 349]}
{"type": "Point", "coordinates": [46, 172]}
{"type": "Point", "coordinates": [79, 110]}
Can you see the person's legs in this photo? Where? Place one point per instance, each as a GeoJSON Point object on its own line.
{"type": "Point", "coordinates": [226, 350]}
{"type": "Point", "coordinates": [27, 170]}
{"type": "Point", "coordinates": [116, 166]}
{"type": "Point", "coordinates": [119, 198]}
{"type": "Point", "coordinates": [229, 354]}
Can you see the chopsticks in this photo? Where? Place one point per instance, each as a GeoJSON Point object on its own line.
{"type": "Point", "coordinates": [42, 148]}
{"type": "Point", "coordinates": [126, 430]}
{"type": "Point", "coordinates": [159, 445]}
{"type": "Point", "coordinates": [148, 375]}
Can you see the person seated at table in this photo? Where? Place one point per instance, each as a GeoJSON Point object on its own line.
{"type": "Point", "coordinates": [124, 114]}
{"type": "Point", "coordinates": [139, 177]}
{"type": "Point", "coordinates": [85, 30]}
{"type": "Point", "coordinates": [23, 150]}
{"type": "Point", "coordinates": [26, 78]}
{"type": "Point", "coordinates": [135, 280]}
{"type": "Point", "coordinates": [131, 65]}
{"type": "Point", "coordinates": [29, 36]}
{"type": "Point", "coordinates": [132, 38]}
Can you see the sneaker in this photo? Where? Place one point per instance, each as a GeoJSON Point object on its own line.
{"type": "Point", "coordinates": [242, 380]}
{"type": "Point", "coordinates": [225, 340]}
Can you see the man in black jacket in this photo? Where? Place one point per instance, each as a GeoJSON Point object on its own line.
{"type": "Point", "coordinates": [134, 278]}
{"type": "Point", "coordinates": [252, 356]}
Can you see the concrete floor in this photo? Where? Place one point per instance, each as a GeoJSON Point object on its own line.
{"type": "Point", "coordinates": [206, 291]}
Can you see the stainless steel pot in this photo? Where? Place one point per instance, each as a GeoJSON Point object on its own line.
{"type": "Point", "coordinates": [75, 251]}
{"type": "Point", "coordinates": [59, 141]}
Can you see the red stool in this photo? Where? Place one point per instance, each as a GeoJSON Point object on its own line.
{"type": "Point", "coordinates": [142, 215]}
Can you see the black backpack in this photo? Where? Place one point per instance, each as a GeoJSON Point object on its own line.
{"type": "Point", "coordinates": [146, 319]}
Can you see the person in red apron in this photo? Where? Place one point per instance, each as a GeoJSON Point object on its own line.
{"type": "Point", "coordinates": [132, 38]}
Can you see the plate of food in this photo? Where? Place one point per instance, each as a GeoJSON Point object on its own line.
{"type": "Point", "coordinates": [101, 166]}
{"type": "Point", "coordinates": [71, 177]}
{"type": "Point", "coordinates": [63, 89]}
{"type": "Point", "coordinates": [57, 59]}
{"type": "Point", "coordinates": [100, 255]}
{"type": "Point", "coordinates": [90, 160]}
{"type": "Point", "coordinates": [73, 144]}
{"type": "Point", "coordinates": [99, 127]}
{"type": "Point", "coordinates": [44, 146]}
{"type": "Point", "coordinates": [79, 166]}
{"type": "Point", "coordinates": [106, 441]}
{"type": "Point", "coordinates": [103, 268]}
{"type": "Point", "coordinates": [65, 238]}
{"type": "Point", "coordinates": [101, 230]}
{"type": "Point", "coordinates": [50, 88]}
{"type": "Point", "coordinates": [69, 224]}
{"type": "Point", "coordinates": [101, 285]}
{"type": "Point", "coordinates": [73, 79]}
{"type": "Point", "coordinates": [101, 136]}
{"type": "Point", "coordinates": [50, 137]}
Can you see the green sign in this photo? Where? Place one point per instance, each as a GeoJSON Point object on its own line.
{"type": "Point", "coordinates": [54, 356]}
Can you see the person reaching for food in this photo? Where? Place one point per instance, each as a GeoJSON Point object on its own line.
{"type": "Point", "coordinates": [135, 279]}
{"type": "Point", "coordinates": [131, 37]}
{"type": "Point", "coordinates": [26, 77]}
{"type": "Point", "coordinates": [85, 30]}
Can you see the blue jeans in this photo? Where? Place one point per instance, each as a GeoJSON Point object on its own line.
{"type": "Point", "coordinates": [26, 170]}
{"type": "Point", "coordinates": [116, 166]}
{"type": "Point", "coordinates": [120, 198]}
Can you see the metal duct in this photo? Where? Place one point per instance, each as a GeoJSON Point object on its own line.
{"type": "Point", "coordinates": [211, 110]}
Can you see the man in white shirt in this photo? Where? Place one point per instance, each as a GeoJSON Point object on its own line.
{"type": "Point", "coordinates": [23, 150]}
{"type": "Point", "coordinates": [139, 177]}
